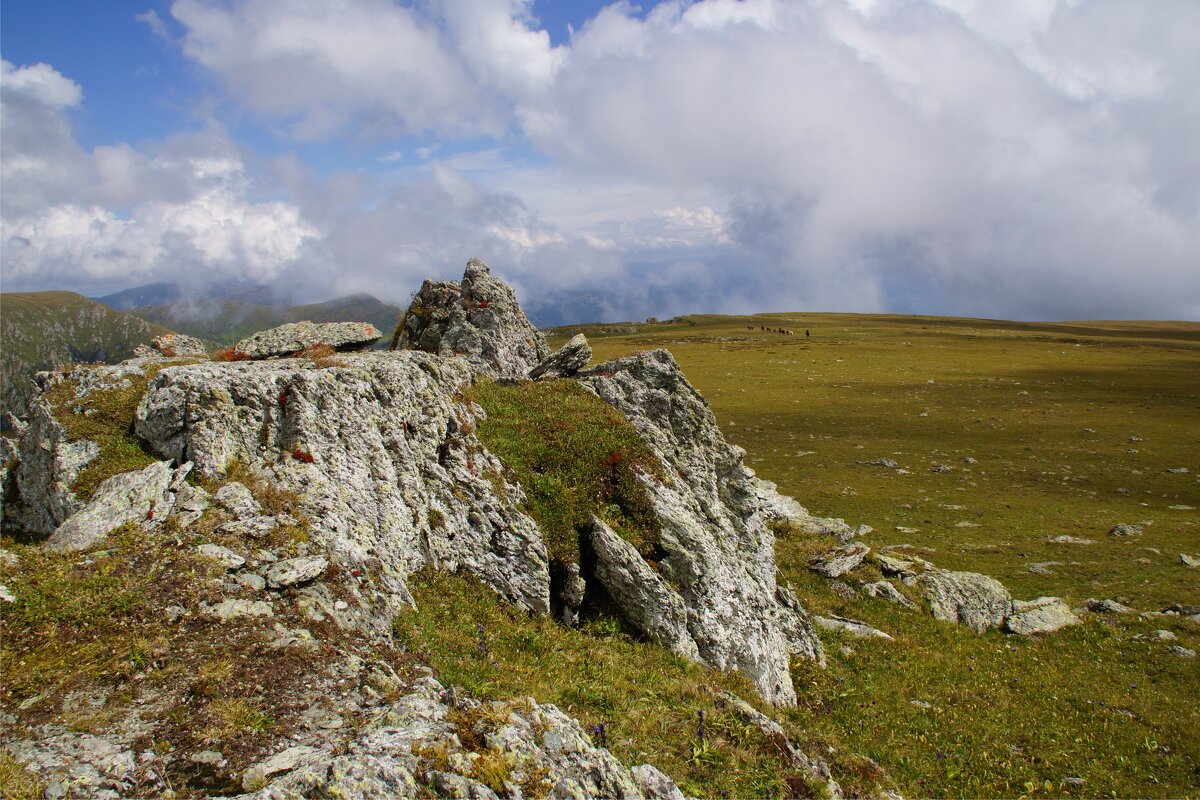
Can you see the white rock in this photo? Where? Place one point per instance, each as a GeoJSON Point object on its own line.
{"type": "Point", "coordinates": [295, 571]}
{"type": "Point", "coordinates": [1043, 615]}
{"type": "Point", "coordinates": [224, 555]}
{"type": "Point", "coordinates": [139, 496]}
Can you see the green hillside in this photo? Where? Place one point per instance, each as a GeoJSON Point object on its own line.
{"type": "Point", "coordinates": [42, 330]}
{"type": "Point", "coordinates": [226, 321]}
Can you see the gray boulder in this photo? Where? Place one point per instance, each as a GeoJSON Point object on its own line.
{"type": "Point", "coordinates": [1107, 607]}
{"type": "Point", "coordinates": [293, 337]}
{"type": "Point", "coordinates": [566, 362]}
{"type": "Point", "coordinates": [235, 498]}
{"type": "Point", "coordinates": [174, 345]}
{"type": "Point", "coordinates": [968, 598]}
{"type": "Point", "coordinates": [296, 571]}
{"type": "Point", "coordinates": [1125, 529]}
{"type": "Point", "coordinates": [1043, 615]}
{"type": "Point", "coordinates": [840, 560]}
{"type": "Point", "coordinates": [718, 551]}
{"type": "Point", "coordinates": [644, 599]}
{"type": "Point", "coordinates": [478, 318]}
{"type": "Point", "coordinates": [887, 591]}
{"type": "Point", "coordinates": [137, 497]}
{"type": "Point", "coordinates": [854, 627]}
{"type": "Point", "coordinates": [223, 555]}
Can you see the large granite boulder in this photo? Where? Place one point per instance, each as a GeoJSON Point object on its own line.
{"type": "Point", "coordinates": [478, 318]}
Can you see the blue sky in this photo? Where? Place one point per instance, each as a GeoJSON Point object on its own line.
{"type": "Point", "coordinates": [1029, 159]}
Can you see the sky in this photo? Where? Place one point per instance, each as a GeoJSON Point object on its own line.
{"type": "Point", "coordinates": [1025, 159]}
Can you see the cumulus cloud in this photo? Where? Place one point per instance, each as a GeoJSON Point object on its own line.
{"type": "Point", "coordinates": [1019, 159]}
{"type": "Point", "coordinates": [93, 221]}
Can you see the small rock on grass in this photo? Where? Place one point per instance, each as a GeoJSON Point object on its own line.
{"type": "Point", "coordinates": [1043, 615]}
{"type": "Point", "coordinates": [1125, 529]}
{"type": "Point", "coordinates": [1107, 607]}
{"type": "Point", "coordinates": [887, 591]}
{"type": "Point", "coordinates": [1189, 561]}
{"type": "Point", "coordinates": [1065, 539]}
{"type": "Point", "coordinates": [840, 560]}
{"type": "Point", "coordinates": [1181, 651]}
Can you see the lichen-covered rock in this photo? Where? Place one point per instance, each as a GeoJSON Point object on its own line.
{"type": "Point", "coordinates": [1043, 615]}
{"type": "Point", "coordinates": [797, 627]}
{"type": "Point", "coordinates": [644, 599]}
{"type": "Point", "coordinates": [840, 560]}
{"type": "Point", "coordinates": [968, 598]}
{"type": "Point", "coordinates": [717, 548]}
{"type": "Point", "coordinates": [295, 571]}
{"type": "Point", "coordinates": [887, 591]}
{"type": "Point", "coordinates": [292, 337]}
{"type": "Point", "coordinates": [413, 751]}
{"type": "Point", "coordinates": [8, 472]}
{"type": "Point", "coordinates": [173, 345]}
{"type": "Point", "coordinates": [222, 555]}
{"type": "Point", "coordinates": [479, 319]}
{"type": "Point", "coordinates": [566, 362]}
{"type": "Point", "coordinates": [391, 475]}
{"type": "Point", "coordinates": [49, 465]}
{"type": "Point", "coordinates": [129, 497]}
{"type": "Point", "coordinates": [235, 498]}
{"type": "Point", "coordinates": [1125, 529]}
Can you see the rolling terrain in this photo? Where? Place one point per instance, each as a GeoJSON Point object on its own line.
{"type": "Point", "coordinates": [42, 330]}
{"type": "Point", "coordinates": [1005, 436]}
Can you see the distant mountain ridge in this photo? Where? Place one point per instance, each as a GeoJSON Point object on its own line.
{"type": "Point", "coordinates": [225, 320]}
{"type": "Point", "coordinates": [43, 330]}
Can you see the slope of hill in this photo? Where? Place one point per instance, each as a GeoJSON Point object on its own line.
{"type": "Point", "coordinates": [41, 330]}
{"type": "Point", "coordinates": [226, 321]}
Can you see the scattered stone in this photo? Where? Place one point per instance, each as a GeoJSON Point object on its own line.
{"type": "Point", "coordinates": [840, 560]}
{"type": "Point", "coordinates": [966, 524]}
{"type": "Point", "coordinates": [1073, 781]}
{"type": "Point", "coordinates": [969, 460]}
{"type": "Point", "coordinates": [1043, 615]}
{"type": "Point", "coordinates": [1159, 635]}
{"type": "Point", "coordinates": [968, 598]}
{"type": "Point", "coordinates": [1107, 607]}
{"type": "Point", "coordinates": [224, 555]}
{"type": "Point", "coordinates": [1183, 609]}
{"type": "Point", "coordinates": [920, 704]}
{"type": "Point", "coordinates": [1178, 470]}
{"type": "Point", "coordinates": [881, 462]}
{"type": "Point", "coordinates": [292, 337]}
{"type": "Point", "coordinates": [295, 571]}
{"type": "Point", "coordinates": [1181, 651]}
{"type": "Point", "coordinates": [190, 504]}
{"type": "Point", "coordinates": [1122, 490]}
{"type": "Point", "coordinates": [236, 609]}
{"type": "Point", "coordinates": [1043, 567]}
{"type": "Point", "coordinates": [174, 613]}
{"type": "Point", "coordinates": [1182, 507]}
{"type": "Point", "coordinates": [6, 595]}
{"type": "Point", "coordinates": [1125, 529]}
{"type": "Point", "coordinates": [940, 469]}
{"type": "Point", "coordinates": [570, 358]}
{"type": "Point", "coordinates": [1189, 561]}
{"type": "Point", "coordinates": [288, 760]}
{"type": "Point", "coordinates": [855, 627]}
{"type": "Point", "coordinates": [251, 580]}
{"type": "Point", "coordinates": [1065, 539]}
{"type": "Point", "coordinates": [892, 566]}
{"type": "Point", "coordinates": [887, 591]}
{"type": "Point", "coordinates": [843, 590]}
{"type": "Point", "coordinates": [253, 527]}
{"type": "Point", "coordinates": [235, 498]}
{"type": "Point", "coordinates": [138, 497]}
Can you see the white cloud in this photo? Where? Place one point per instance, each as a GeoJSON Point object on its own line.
{"type": "Point", "coordinates": [42, 83]}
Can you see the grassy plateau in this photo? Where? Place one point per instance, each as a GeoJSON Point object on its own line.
{"type": "Point", "coordinates": [1048, 429]}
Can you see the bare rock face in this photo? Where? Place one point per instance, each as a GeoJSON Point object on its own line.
{"type": "Point", "coordinates": [391, 474]}
{"type": "Point", "coordinates": [293, 337]}
{"type": "Point", "coordinates": [479, 319]}
{"type": "Point", "coordinates": [713, 511]}
{"type": "Point", "coordinates": [968, 598]}
{"type": "Point", "coordinates": [566, 362]}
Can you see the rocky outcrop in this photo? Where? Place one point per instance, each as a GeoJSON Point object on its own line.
{"type": "Point", "coordinates": [968, 598]}
{"type": "Point", "coordinates": [391, 475]}
{"type": "Point", "coordinates": [293, 337]}
{"type": "Point", "coordinates": [49, 465]}
{"type": "Point", "coordinates": [566, 361]}
{"type": "Point", "coordinates": [416, 749]}
{"type": "Point", "coordinates": [477, 318]}
{"type": "Point", "coordinates": [648, 603]}
{"type": "Point", "coordinates": [173, 345]}
{"type": "Point", "coordinates": [717, 550]}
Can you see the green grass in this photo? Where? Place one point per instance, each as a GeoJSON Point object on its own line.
{"type": "Point", "coordinates": [1058, 417]}
{"type": "Point", "coordinates": [646, 697]}
{"type": "Point", "coordinates": [106, 418]}
{"type": "Point", "coordinates": [575, 456]}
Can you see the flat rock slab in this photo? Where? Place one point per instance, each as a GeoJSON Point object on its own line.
{"type": "Point", "coordinates": [1107, 607]}
{"type": "Point", "coordinates": [235, 498]}
{"type": "Point", "coordinates": [840, 560]}
{"type": "Point", "coordinates": [278, 764]}
{"type": "Point", "coordinates": [890, 565]}
{"type": "Point", "coordinates": [236, 609]}
{"type": "Point", "coordinates": [854, 627]}
{"type": "Point", "coordinates": [887, 591]}
{"type": "Point", "coordinates": [293, 337]}
{"type": "Point", "coordinates": [129, 497]}
{"type": "Point", "coordinates": [229, 559]}
{"type": "Point", "coordinates": [1043, 615]}
{"type": "Point", "coordinates": [294, 571]}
